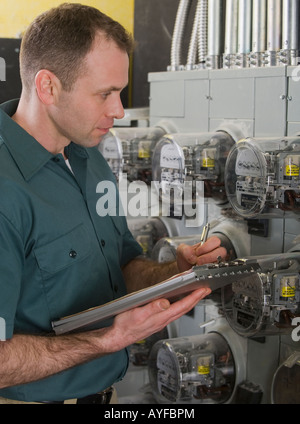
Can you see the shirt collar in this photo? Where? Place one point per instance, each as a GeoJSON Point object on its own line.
{"type": "Point", "coordinates": [29, 155]}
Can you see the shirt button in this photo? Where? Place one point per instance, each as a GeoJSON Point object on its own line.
{"type": "Point", "coordinates": [73, 254]}
{"type": "Point", "coordinates": [103, 243]}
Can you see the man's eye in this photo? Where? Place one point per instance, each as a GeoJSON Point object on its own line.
{"type": "Point", "coordinates": [105, 95]}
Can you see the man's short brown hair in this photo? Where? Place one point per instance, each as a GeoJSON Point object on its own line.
{"type": "Point", "coordinates": [59, 39]}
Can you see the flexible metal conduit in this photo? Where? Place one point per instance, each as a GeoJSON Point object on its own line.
{"type": "Point", "coordinates": [192, 52]}
{"type": "Point", "coordinates": [178, 33]}
{"type": "Point", "coordinates": [198, 42]}
{"type": "Point", "coordinates": [202, 32]}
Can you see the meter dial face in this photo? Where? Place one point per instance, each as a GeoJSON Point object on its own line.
{"type": "Point", "coordinates": [168, 377]}
{"type": "Point", "coordinates": [168, 169]}
{"type": "Point", "coordinates": [111, 149]}
{"type": "Point", "coordinates": [245, 179]}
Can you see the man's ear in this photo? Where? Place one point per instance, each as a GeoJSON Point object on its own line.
{"type": "Point", "coordinates": [47, 86]}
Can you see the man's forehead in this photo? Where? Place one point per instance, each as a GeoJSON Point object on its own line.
{"type": "Point", "coordinates": [104, 42]}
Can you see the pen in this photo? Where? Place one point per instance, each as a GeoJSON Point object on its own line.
{"type": "Point", "coordinates": [204, 234]}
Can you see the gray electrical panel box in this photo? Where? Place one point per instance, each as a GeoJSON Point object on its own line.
{"type": "Point", "coordinates": [256, 99]}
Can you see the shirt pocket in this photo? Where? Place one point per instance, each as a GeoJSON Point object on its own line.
{"type": "Point", "coordinates": [63, 252]}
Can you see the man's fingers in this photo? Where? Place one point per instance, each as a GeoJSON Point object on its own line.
{"type": "Point", "coordinates": [183, 305]}
{"type": "Point", "coordinates": [212, 257]}
{"type": "Point", "coordinates": [211, 244]}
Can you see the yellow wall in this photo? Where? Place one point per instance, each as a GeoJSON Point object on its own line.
{"type": "Point", "coordinates": [16, 15]}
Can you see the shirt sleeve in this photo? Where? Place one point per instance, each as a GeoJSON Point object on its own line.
{"type": "Point", "coordinates": [11, 265]}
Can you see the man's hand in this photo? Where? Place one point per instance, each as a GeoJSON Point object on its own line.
{"type": "Point", "coordinates": [211, 251]}
{"type": "Point", "coordinates": [140, 323]}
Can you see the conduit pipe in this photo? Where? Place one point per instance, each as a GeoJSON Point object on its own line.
{"type": "Point", "coordinates": [244, 33]}
{"type": "Point", "coordinates": [202, 33]}
{"type": "Point", "coordinates": [290, 27]}
{"type": "Point", "coordinates": [231, 31]}
{"type": "Point", "coordinates": [198, 43]}
{"type": "Point", "coordinates": [259, 16]}
{"type": "Point", "coordinates": [273, 32]}
{"type": "Point", "coordinates": [257, 33]}
{"type": "Point", "coordinates": [178, 33]}
{"type": "Point", "coordinates": [214, 34]}
{"type": "Point", "coordinates": [192, 52]}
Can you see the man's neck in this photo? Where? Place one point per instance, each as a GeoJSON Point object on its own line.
{"type": "Point", "coordinates": [33, 118]}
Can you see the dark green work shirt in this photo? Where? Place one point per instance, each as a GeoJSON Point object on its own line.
{"type": "Point", "coordinates": [57, 255]}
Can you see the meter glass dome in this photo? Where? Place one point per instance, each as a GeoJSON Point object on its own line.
{"type": "Point", "coordinates": [168, 165]}
{"type": "Point", "coordinates": [245, 179]}
{"type": "Point", "coordinates": [193, 158]}
{"type": "Point", "coordinates": [129, 151]}
{"type": "Point", "coordinates": [112, 150]}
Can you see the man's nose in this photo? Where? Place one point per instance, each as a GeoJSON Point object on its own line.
{"type": "Point", "coordinates": [116, 109]}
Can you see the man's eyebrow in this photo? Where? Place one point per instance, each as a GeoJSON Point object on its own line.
{"type": "Point", "coordinates": [108, 89]}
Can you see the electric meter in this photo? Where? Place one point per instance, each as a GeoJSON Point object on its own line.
{"type": "Point", "coordinates": [262, 176]}
{"type": "Point", "coordinates": [265, 302]}
{"type": "Point", "coordinates": [196, 369]}
{"type": "Point", "coordinates": [168, 173]}
{"type": "Point", "coordinates": [111, 148]}
{"type": "Point", "coordinates": [178, 158]}
{"type": "Point", "coordinates": [129, 150]}
{"type": "Point", "coordinates": [147, 232]}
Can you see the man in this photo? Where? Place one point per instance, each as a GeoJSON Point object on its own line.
{"type": "Point", "coordinates": [58, 257]}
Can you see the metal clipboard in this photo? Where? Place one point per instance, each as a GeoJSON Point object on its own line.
{"type": "Point", "coordinates": [213, 276]}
